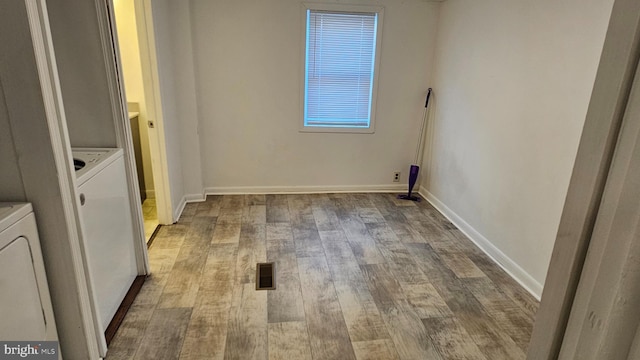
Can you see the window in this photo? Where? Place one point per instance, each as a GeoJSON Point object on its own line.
{"type": "Point", "coordinates": [342, 46]}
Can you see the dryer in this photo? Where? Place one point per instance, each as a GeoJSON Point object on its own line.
{"type": "Point", "coordinates": [25, 303]}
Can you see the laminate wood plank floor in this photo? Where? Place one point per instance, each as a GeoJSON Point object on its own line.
{"type": "Point", "coordinates": [358, 276]}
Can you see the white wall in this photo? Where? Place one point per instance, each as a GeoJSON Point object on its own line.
{"type": "Point", "coordinates": [162, 33]}
{"type": "Point", "coordinates": [132, 71]}
{"type": "Point", "coordinates": [177, 86]}
{"type": "Point", "coordinates": [248, 68]}
{"type": "Point", "coordinates": [186, 100]}
{"type": "Point", "coordinates": [512, 84]}
{"type": "Point", "coordinates": [80, 57]}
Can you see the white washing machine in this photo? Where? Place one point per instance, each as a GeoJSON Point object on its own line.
{"type": "Point", "coordinates": [25, 305]}
{"type": "Point", "coordinates": [107, 227]}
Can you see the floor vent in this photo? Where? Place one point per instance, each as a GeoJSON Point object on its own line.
{"type": "Point", "coordinates": [266, 276]}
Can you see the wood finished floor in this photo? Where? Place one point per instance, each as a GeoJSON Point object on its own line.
{"type": "Point", "coordinates": [359, 276]}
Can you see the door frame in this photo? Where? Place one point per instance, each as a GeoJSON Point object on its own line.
{"type": "Point", "coordinates": [601, 131]}
{"type": "Point", "coordinates": [124, 140]}
{"type": "Point", "coordinates": [151, 84]}
{"type": "Point", "coordinates": [603, 320]}
{"type": "Point", "coordinates": [153, 100]}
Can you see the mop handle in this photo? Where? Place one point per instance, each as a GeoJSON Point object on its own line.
{"type": "Point", "coordinates": [426, 103]}
{"type": "Point", "coordinates": [422, 128]}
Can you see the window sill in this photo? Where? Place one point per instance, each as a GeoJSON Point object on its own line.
{"type": "Point", "coordinates": [343, 130]}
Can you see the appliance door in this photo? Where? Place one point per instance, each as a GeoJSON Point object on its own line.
{"type": "Point", "coordinates": [108, 235]}
{"type": "Point", "coordinates": [21, 308]}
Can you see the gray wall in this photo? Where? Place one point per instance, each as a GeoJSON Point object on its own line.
{"type": "Point", "coordinates": [513, 81]}
{"type": "Point", "coordinates": [85, 92]}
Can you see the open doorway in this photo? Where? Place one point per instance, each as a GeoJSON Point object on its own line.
{"type": "Point", "coordinates": [138, 104]}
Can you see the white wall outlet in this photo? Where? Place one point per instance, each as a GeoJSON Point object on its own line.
{"type": "Point", "coordinates": [396, 176]}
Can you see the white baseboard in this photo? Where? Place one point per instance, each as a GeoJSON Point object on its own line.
{"type": "Point", "coordinates": [178, 211]}
{"type": "Point", "coordinates": [151, 194]}
{"type": "Point", "coordinates": [500, 258]}
{"type": "Point", "coordinates": [189, 198]}
{"type": "Point", "coordinates": [241, 190]}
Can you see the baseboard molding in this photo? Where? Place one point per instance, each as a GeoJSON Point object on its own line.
{"type": "Point", "coordinates": [189, 198]}
{"type": "Point", "coordinates": [241, 190]}
{"type": "Point", "coordinates": [151, 194]}
{"type": "Point", "coordinates": [500, 258]}
{"type": "Point", "coordinates": [178, 210]}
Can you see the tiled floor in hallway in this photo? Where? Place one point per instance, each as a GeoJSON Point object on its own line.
{"type": "Point", "coordinates": [359, 276]}
{"type": "Point", "coordinates": [150, 216]}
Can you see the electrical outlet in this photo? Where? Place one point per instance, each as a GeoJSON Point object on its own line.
{"type": "Point", "coordinates": [396, 176]}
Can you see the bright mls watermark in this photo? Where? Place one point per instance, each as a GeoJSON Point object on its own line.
{"type": "Point", "coordinates": [34, 350]}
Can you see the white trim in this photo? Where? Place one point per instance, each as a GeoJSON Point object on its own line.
{"type": "Point", "coordinates": [189, 198]}
{"type": "Point", "coordinates": [151, 194]}
{"type": "Point", "coordinates": [180, 208]}
{"type": "Point", "coordinates": [111, 53]}
{"type": "Point", "coordinates": [153, 98]}
{"type": "Point", "coordinates": [241, 190]}
{"type": "Point", "coordinates": [511, 267]}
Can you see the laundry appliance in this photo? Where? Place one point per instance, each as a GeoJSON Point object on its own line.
{"type": "Point", "coordinates": [26, 313]}
{"type": "Point", "coordinates": [107, 227]}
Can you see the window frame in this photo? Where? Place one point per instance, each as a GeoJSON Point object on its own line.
{"type": "Point", "coordinates": [340, 8]}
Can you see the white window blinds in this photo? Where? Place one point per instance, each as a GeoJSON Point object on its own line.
{"type": "Point", "coordinates": [339, 68]}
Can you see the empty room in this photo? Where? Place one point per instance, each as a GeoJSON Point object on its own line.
{"type": "Point", "coordinates": [278, 179]}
